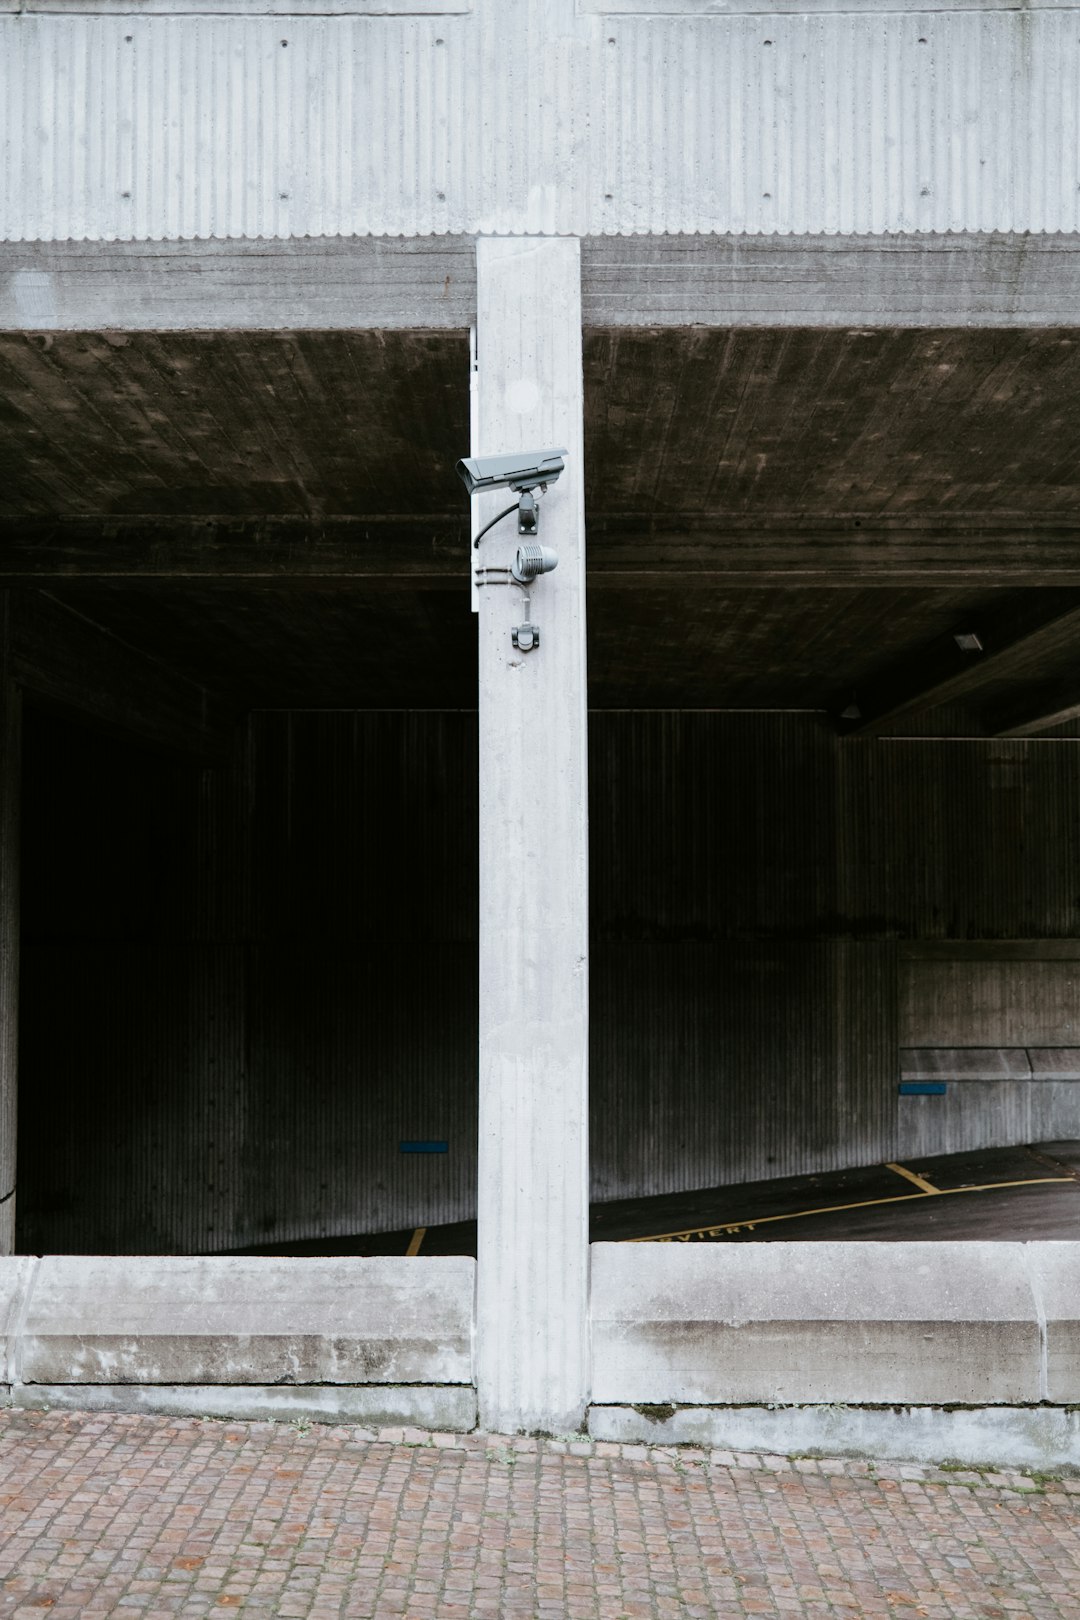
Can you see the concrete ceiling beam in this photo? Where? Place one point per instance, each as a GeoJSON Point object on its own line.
{"type": "Point", "coordinates": [324, 284]}
{"type": "Point", "coordinates": [70, 663]}
{"type": "Point", "coordinates": [1014, 644]}
{"type": "Point", "coordinates": [1037, 710]}
{"type": "Point", "coordinates": [955, 279]}
{"type": "Point", "coordinates": [373, 549]}
{"type": "Point", "coordinates": [626, 551]}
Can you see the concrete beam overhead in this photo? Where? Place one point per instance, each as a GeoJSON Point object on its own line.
{"type": "Point", "coordinates": [947, 279]}
{"type": "Point", "coordinates": [952, 279]}
{"type": "Point", "coordinates": [291, 284]}
{"type": "Point", "coordinates": [69, 662]}
{"type": "Point", "coordinates": [1006, 644]}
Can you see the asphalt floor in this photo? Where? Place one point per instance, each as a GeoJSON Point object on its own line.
{"type": "Point", "coordinates": [1001, 1194]}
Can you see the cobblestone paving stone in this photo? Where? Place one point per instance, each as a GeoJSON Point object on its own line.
{"type": "Point", "coordinates": [122, 1515]}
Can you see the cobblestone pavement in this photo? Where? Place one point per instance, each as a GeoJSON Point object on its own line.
{"type": "Point", "coordinates": [116, 1515]}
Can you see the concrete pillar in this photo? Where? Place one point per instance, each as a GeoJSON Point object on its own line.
{"type": "Point", "coordinates": [10, 793]}
{"type": "Point", "coordinates": [532, 1284]}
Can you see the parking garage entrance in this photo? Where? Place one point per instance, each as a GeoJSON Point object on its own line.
{"type": "Point", "coordinates": [835, 878]}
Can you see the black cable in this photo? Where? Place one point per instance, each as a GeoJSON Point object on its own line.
{"type": "Point", "coordinates": [493, 522]}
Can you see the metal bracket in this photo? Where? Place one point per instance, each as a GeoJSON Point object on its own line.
{"type": "Point", "coordinates": [529, 511]}
{"type": "Point", "coordinates": [526, 635]}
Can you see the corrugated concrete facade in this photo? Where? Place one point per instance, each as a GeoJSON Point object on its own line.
{"type": "Point", "coordinates": [243, 989]}
{"type": "Point", "coordinates": [524, 116]}
{"type": "Point", "coordinates": [267, 979]}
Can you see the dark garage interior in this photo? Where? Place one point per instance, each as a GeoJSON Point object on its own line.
{"type": "Point", "coordinates": [834, 854]}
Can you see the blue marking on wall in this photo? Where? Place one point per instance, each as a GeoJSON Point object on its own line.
{"type": "Point", "coordinates": [922, 1088]}
{"type": "Point", "coordinates": [423, 1147]}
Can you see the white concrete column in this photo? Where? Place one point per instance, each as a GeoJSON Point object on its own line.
{"type": "Point", "coordinates": [532, 1282]}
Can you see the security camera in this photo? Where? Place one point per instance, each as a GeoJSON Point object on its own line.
{"type": "Point", "coordinates": [524, 470]}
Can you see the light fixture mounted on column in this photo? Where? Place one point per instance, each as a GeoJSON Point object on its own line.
{"type": "Point", "coordinates": [532, 560]}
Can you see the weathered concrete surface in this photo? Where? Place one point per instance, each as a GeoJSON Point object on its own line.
{"type": "Point", "coordinates": [298, 285]}
{"type": "Point", "coordinates": [1006, 1436]}
{"type": "Point", "coordinates": [323, 283]}
{"type": "Point", "coordinates": [1056, 1272]}
{"type": "Point", "coordinates": [1055, 1063]}
{"type": "Point", "coordinates": [16, 1272]}
{"type": "Point", "coordinates": [808, 1323]}
{"type": "Point", "coordinates": [964, 1063]}
{"type": "Point", "coordinates": [442, 1407]}
{"type": "Point", "coordinates": [908, 279]}
{"type": "Point", "coordinates": [533, 1171]}
{"type": "Point", "coordinates": [226, 1320]}
{"type": "Point", "coordinates": [678, 124]}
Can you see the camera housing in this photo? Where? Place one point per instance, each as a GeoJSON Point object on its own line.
{"type": "Point", "coordinates": [522, 471]}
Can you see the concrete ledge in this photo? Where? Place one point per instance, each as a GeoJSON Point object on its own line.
{"type": "Point", "coordinates": [224, 1320]}
{"type": "Point", "coordinates": [1054, 1062]}
{"type": "Point", "coordinates": [806, 1323]}
{"type": "Point", "coordinates": [1003, 1436]}
{"type": "Point", "coordinates": [446, 1408]}
{"type": "Point", "coordinates": [687, 1340]}
{"type": "Point", "coordinates": [989, 1063]}
{"type": "Point", "coordinates": [964, 1063]}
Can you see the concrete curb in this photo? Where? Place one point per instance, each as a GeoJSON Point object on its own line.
{"type": "Point", "coordinates": [1037, 1437]}
{"type": "Point", "coordinates": [449, 1407]}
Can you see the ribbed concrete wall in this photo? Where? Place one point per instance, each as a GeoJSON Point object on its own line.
{"type": "Point", "coordinates": [267, 978]}
{"type": "Point", "coordinates": [242, 991]}
{"type": "Point", "coordinates": [527, 117]}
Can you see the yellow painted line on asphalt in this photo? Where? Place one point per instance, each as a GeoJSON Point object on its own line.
{"type": "Point", "coordinates": [727, 1228]}
{"type": "Point", "coordinates": [415, 1241]}
{"type": "Point", "coordinates": [909, 1175]}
